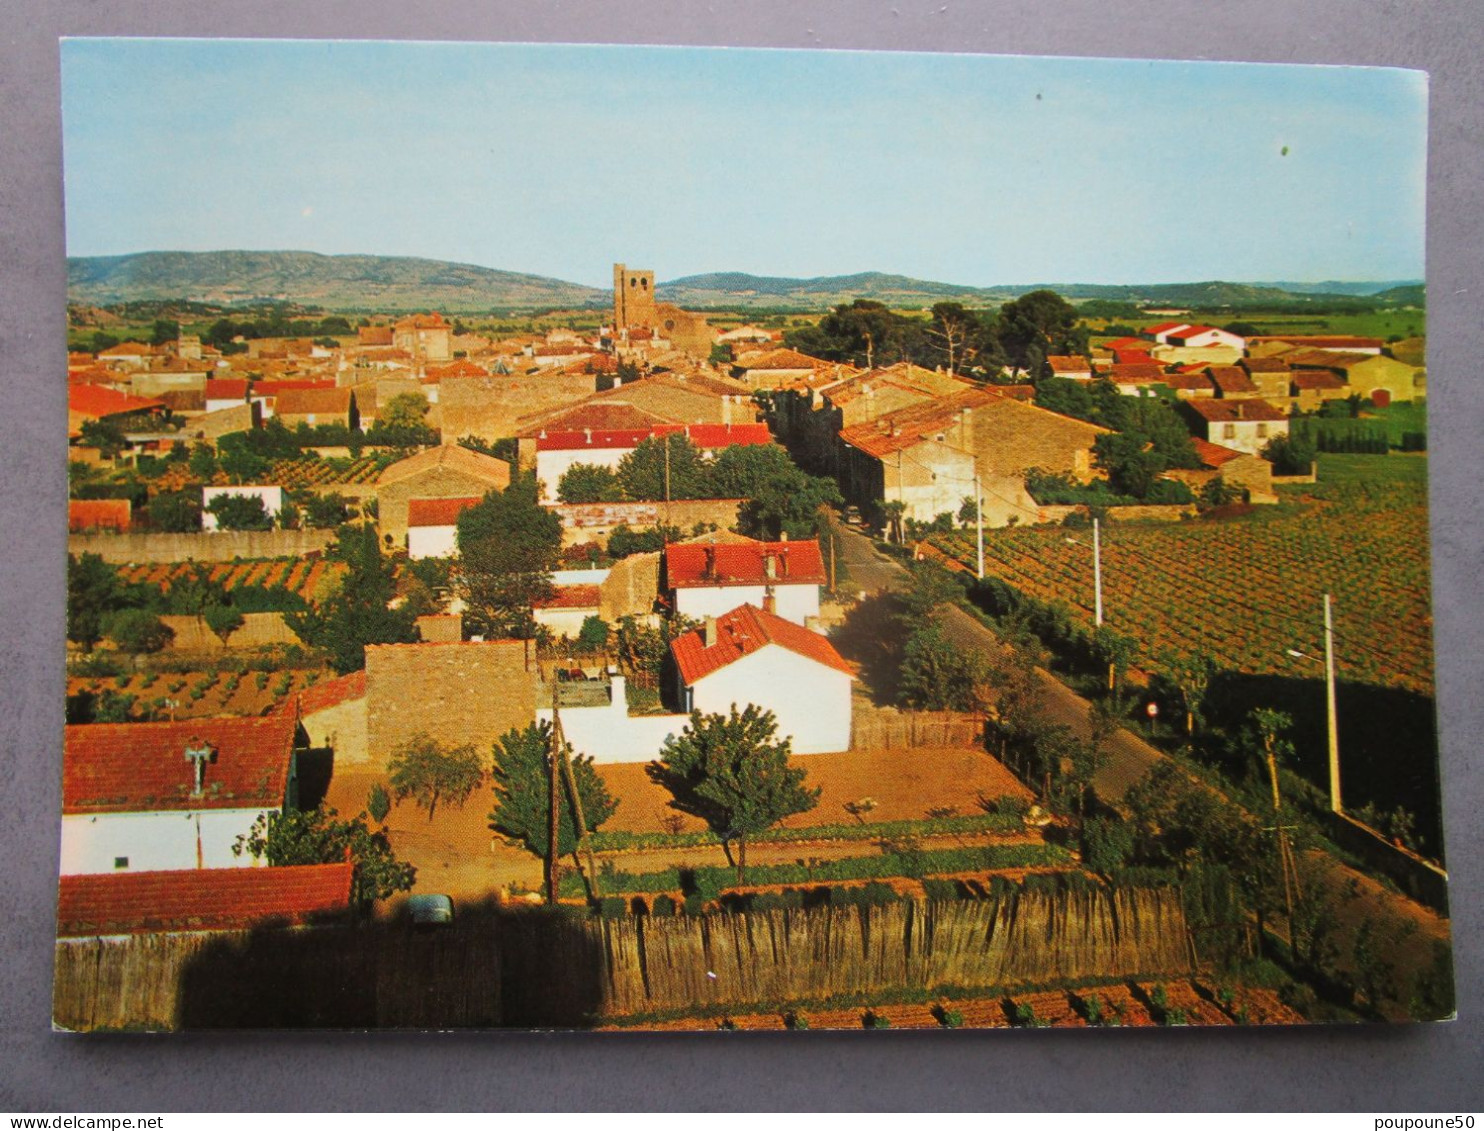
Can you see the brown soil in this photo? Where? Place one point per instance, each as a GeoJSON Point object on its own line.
{"type": "Point", "coordinates": [905, 784]}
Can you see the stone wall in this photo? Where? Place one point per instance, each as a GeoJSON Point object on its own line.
{"type": "Point", "coordinates": [221, 546]}
{"type": "Point", "coordinates": [593, 522]}
{"type": "Point", "coordinates": [457, 693]}
{"type": "Point", "coordinates": [258, 629]}
{"type": "Point", "coordinates": [489, 407]}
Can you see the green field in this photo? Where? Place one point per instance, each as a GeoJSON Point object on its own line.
{"type": "Point", "coordinates": [1246, 590]}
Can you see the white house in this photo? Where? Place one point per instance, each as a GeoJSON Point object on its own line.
{"type": "Point", "coordinates": [1201, 337]}
{"type": "Point", "coordinates": [166, 796]}
{"type": "Point", "coordinates": [272, 498]}
{"type": "Point", "coordinates": [1247, 425]}
{"type": "Point", "coordinates": [710, 579]}
{"type": "Point", "coordinates": [432, 526]}
{"type": "Point", "coordinates": [596, 721]}
{"type": "Point", "coordinates": [750, 656]}
{"type": "Point", "coordinates": [225, 392]}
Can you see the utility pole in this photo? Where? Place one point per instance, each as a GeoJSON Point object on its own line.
{"type": "Point", "coordinates": [1330, 708]}
{"type": "Point", "coordinates": [666, 443]}
{"type": "Point", "coordinates": [554, 787]}
{"type": "Point", "coordinates": [979, 521]}
{"type": "Point", "coordinates": [1097, 575]}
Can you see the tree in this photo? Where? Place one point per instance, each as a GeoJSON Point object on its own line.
{"type": "Point", "coordinates": [424, 770]}
{"type": "Point", "coordinates": [356, 614]}
{"type": "Point", "coordinates": [1117, 650]}
{"type": "Point", "coordinates": [589, 483]}
{"type": "Point", "coordinates": [1036, 326]}
{"type": "Point", "coordinates": [781, 499]}
{"type": "Point", "coordinates": [643, 472]}
{"type": "Point", "coordinates": [402, 422]}
{"type": "Point", "coordinates": [240, 512]}
{"type": "Point", "coordinates": [175, 512]}
{"type": "Point", "coordinates": [1290, 455]}
{"type": "Point", "coordinates": [732, 772]}
{"type": "Point", "coordinates": [317, 836]}
{"type": "Point", "coordinates": [104, 435]}
{"type": "Point", "coordinates": [940, 676]}
{"type": "Point", "coordinates": [956, 337]}
{"type": "Point", "coordinates": [223, 620]}
{"type": "Point", "coordinates": [1192, 674]}
{"type": "Point", "coordinates": [379, 803]}
{"type": "Point", "coordinates": [521, 778]}
{"type": "Point", "coordinates": [138, 631]}
{"type": "Point", "coordinates": [93, 592]}
{"type": "Point", "coordinates": [203, 462]}
{"type": "Point", "coordinates": [508, 546]}
{"type": "Point", "coordinates": [165, 330]}
{"type": "Point", "coordinates": [326, 512]}
{"type": "Point", "coordinates": [593, 634]}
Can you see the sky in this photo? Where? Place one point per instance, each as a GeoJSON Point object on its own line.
{"type": "Point", "coordinates": [560, 160]}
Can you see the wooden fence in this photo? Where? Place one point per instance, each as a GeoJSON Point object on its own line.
{"type": "Point", "coordinates": [523, 968]}
{"type": "Point", "coordinates": [886, 728]}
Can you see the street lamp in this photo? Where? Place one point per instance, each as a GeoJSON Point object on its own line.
{"type": "Point", "coordinates": [1097, 572]}
{"type": "Point", "coordinates": [1331, 717]}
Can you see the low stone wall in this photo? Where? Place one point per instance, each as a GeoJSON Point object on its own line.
{"type": "Point", "coordinates": [593, 522]}
{"type": "Point", "coordinates": [1421, 879]}
{"type": "Point", "coordinates": [219, 546]}
{"type": "Point", "coordinates": [1163, 513]}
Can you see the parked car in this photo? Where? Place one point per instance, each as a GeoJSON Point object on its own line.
{"type": "Point", "coordinates": [428, 911]}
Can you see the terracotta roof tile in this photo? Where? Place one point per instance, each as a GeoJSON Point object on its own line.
{"type": "Point", "coordinates": [437, 512]}
{"type": "Point", "coordinates": [1264, 364]}
{"type": "Point", "coordinates": [1134, 372]}
{"type": "Point", "coordinates": [1231, 379]}
{"type": "Point", "coordinates": [1316, 379]}
{"type": "Point", "coordinates": [226, 388]}
{"type": "Point", "coordinates": [1319, 341]}
{"type": "Point", "coordinates": [100, 401]}
{"type": "Point", "coordinates": [1214, 455]}
{"type": "Point", "coordinates": [314, 402]}
{"type": "Point", "coordinates": [570, 597]}
{"type": "Point", "coordinates": [704, 436]}
{"type": "Point", "coordinates": [97, 514]}
{"type": "Point", "coordinates": [494, 471]}
{"type": "Point", "coordinates": [704, 566]}
{"type": "Point", "coordinates": [204, 899]}
{"type": "Point", "coordinates": [331, 693]}
{"type": "Point", "coordinates": [746, 630]}
{"type": "Point", "coordinates": [1246, 409]}
{"type": "Point", "coordinates": [141, 767]}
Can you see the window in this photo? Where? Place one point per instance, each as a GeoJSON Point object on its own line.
{"type": "Point", "coordinates": [1228, 431]}
{"type": "Point", "coordinates": [120, 861]}
{"type": "Point", "coordinates": [1262, 431]}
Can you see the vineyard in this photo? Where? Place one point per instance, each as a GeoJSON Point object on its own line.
{"type": "Point", "coordinates": [293, 474]}
{"type": "Point", "coordinates": [1246, 590]}
{"type": "Point", "coordinates": [154, 696]}
{"type": "Point", "coordinates": [308, 579]}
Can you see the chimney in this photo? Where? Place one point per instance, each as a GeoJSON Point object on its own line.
{"type": "Point", "coordinates": [710, 632]}
{"type": "Point", "coordinates": [587, 436]}
{"type": "Point", "coordinates": [770, 602]}
{"type": "Point", "coordinates": [710, 562]}
{"type": "Point", "coordinates": [770, 567]}
{"type": "Point", "coordinates": [198, 753]}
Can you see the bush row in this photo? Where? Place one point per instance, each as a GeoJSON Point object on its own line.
{"type": "Point", "coordinates": [927, 826]}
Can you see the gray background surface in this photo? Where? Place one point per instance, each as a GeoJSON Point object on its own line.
{"type": "Point", "coordinates": [1437, 1067]}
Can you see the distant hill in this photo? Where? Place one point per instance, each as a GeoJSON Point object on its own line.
{"type": "Point", "coordinates": [395, 283]}
{"type": "Point", "coordinates": [335, 282]}
{"type": "Point", "coordinates": [734, 289]}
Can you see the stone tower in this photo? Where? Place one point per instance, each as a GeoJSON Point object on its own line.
{"type": "Point", "coordinates": [633, 298]}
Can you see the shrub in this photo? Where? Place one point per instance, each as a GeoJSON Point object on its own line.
{"type": "Point", "coordinates": [794, 1019]}
{"type": "Point", "coordinates": [378, 803]}
{"type": "Point", "coordinates": [874, 1020]}
{"type": "Point", "coordinates": [949, 1018]}
{"type": "Point", "coordinates": [662, 905]}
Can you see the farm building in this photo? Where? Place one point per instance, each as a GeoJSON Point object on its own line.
{"type": "Point", "coordinates": [708, 579]}
{"type": "Point", "coordinates": [205, 899]}
{"type": "Point", "coordinates": [751, 656]}
{"type": "Point", "coordinates": [448, 471]}
{"type": "Point", "coordinates": [1247, 425]}
{"type": "Point", "coordinates": [432, 526]}
{"type": "Point", "coordinates": [163, 796]}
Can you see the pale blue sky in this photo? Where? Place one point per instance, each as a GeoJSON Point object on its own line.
{"type": "Point", "coordinates": [559, 160]}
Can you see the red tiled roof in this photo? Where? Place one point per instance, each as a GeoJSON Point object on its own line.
{"type": "Point", "coordinates": [461, 368]}
{"type": "Point", "coordinates": [432, 321]}
{"type": "Point", "coordinates": [386, 353]}
{"type": "Point", "coordinates": [305, 402]}
{"type": "Point", "coordinates": [128, 349]}
{"type": "Point", "coordinates": [746, 630]}
{"type": "Point", "coordinates": [1225, 411]}
{"type": "Point", "coordinates": [1196, 382]}
{"type": "Point", "coordinates": [1127, 344]}
{"type": "Point", "coordinates": [897, 431]}
{"type": "Point", "coordinates": [1316, 379]}
{"type": "Point", "coordinates": [1231, 379]}
{"type": "Point", "coordinates": [1214, 455]}
{"type": "Point", "coordinates": [1134, 356]}
{"type": "Point", "coordinates": [1186, 332]}
{"type": "Point", "coordinates": [101, 401]}
{"type": "Point", "coordinates": [142, 767]}
{"type": "Point", "coordinates": [1165, 327]}
{"type": "Point", "coordinates": [705, 436]}
{"type": "Point", "coordinates": [573, 350]}
{"type": "Point", "coordinates": [1137, 371]}
{"type": "Point", "coordinates": [276, 388]}
{"type": "Point", "coordinates": [97, 514]}
{"type": "Point", "coordinates": [1325, 359]}
{"type": "Point", "coordinates": [1319, 341]}
{"type": "Point", "coordinates": [226, 388]}
{"type": "Point", "coordinates": [375, 335]}
{"type": "Point", "coordinates": [437, 512]}
{"type": "Point", "coordinates": [331, 693]}
{"type": "Point", "coordinates": [1065, 364]}
{"type": "Point", "coordinates": [690, 566]}
{"type": "Point", "coordinates": [570, 597]}
{"type": "Point", "coordinates": [203, 899]}
{"type": "Point", "coordinates": [779, 359]}
{"type": "Point", "coordinates": [1264, 364]}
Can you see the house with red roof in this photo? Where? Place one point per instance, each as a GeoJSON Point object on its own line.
{"type": "Point", "coordinates": [710, 579]}
{"type": "Point", "coordinates": [564, 610]}
{"type": "Point", "coordinates": [1073, 368]}
{"type": "Point", "coordinates": [1247, 424]}
{"type": "Point", "coordinates": [558, 451]}
{"type": "Point", "coordinates": [87, 402]}
{"type": "Point", "coordinates": [752, 656]}
{"type": "Point", "coordinates": [225, 392]}
{"type": "Point", "coordinates": [1161, 331]}
{"type": "Point", "coordinates": [1201, 337]}
{"type": "Point", "coordinates": [149, 797]}
{"type": "Point", "coordinates": [433, 525]}
{"type": "Point", "coordinates": [93, 905]}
